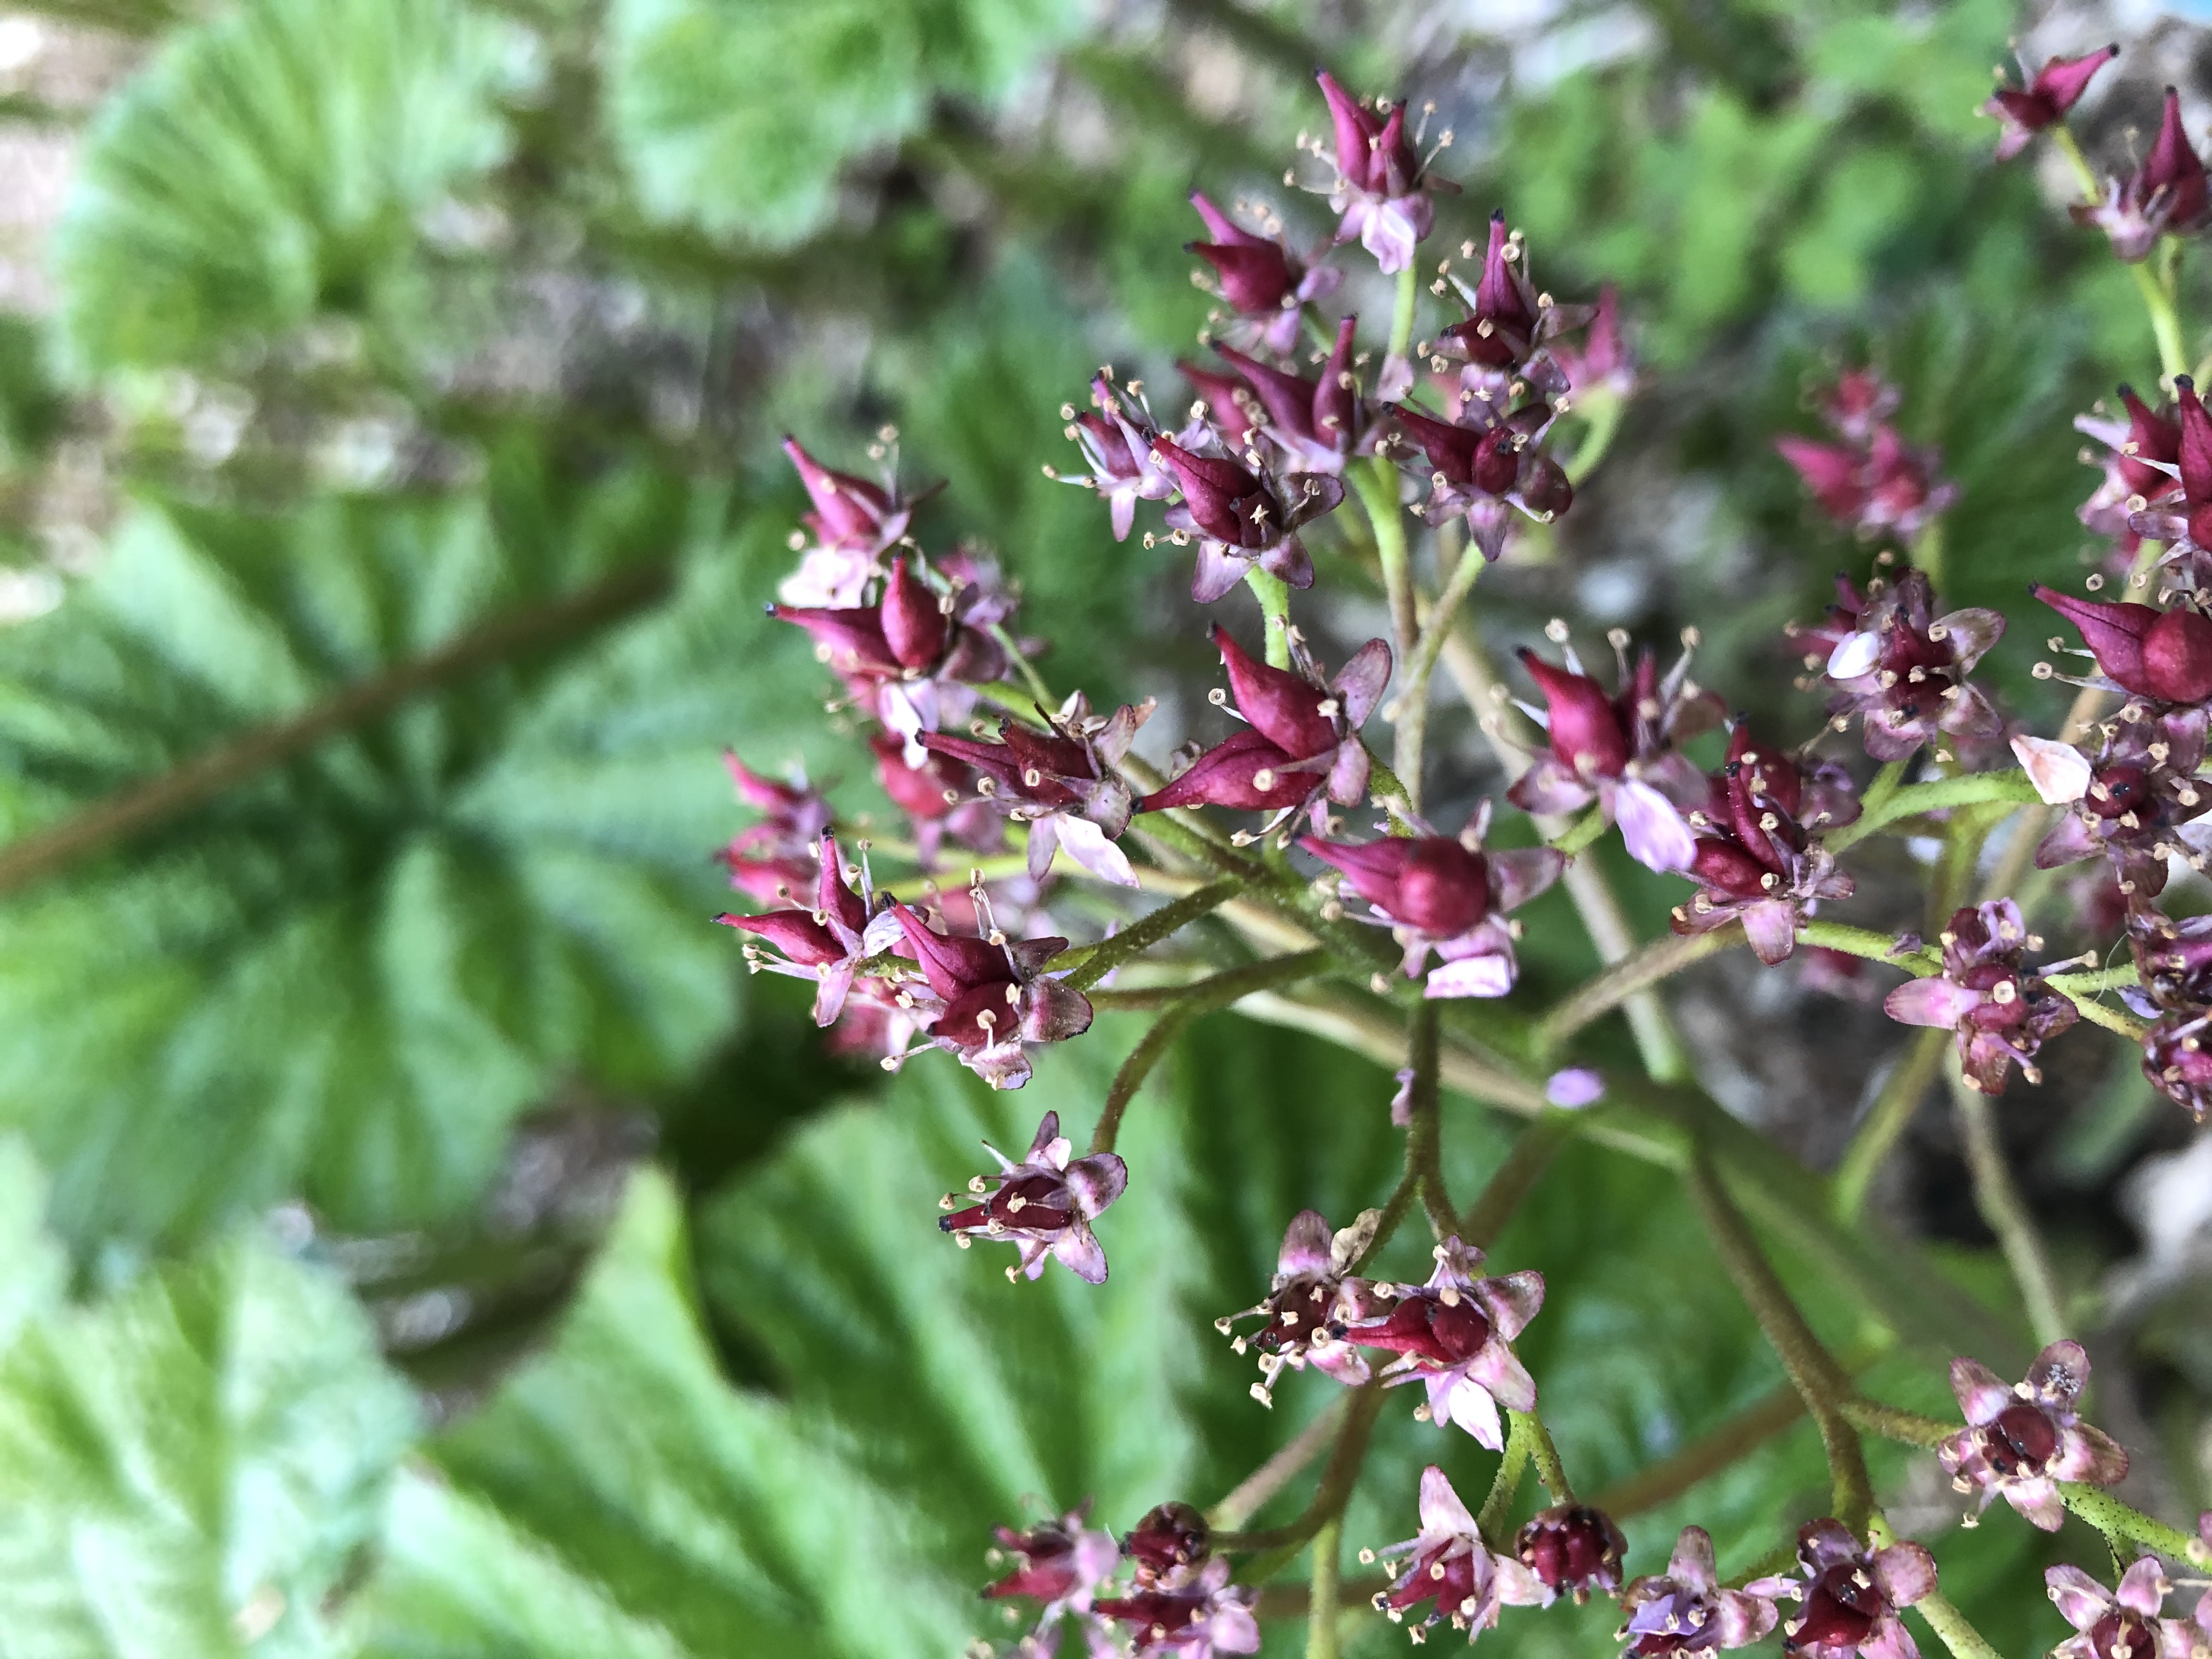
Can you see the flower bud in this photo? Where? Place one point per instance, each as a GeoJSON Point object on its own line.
{"type": "Point", "coordinates": [1573, 1549]}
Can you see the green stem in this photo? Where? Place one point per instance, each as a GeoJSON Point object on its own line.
{"type": "Point", "coordinates": [1894, 1423]}
{"type": "Point", "coordinates": [2117, 1520]}
{"type": "Point", "coordinates": [1976, 788]}
{"type": "Point", "coordinates": [1490, 1521]}
{"type": "Point", "coordinates": [1321, 1615]}
{"type": "Point", "coordinates": [1151, 1050]}
{"type": "Point", "coordinates": [1277, 1547]}
{"type": "Point", "coordinates": [2158, 302]}
{"type": "Point", "coordinates": [1402, 312]}
{"type": "Point", "coordinates": [1998, 1198]}
{"type": "Point", "coordinates": [1091, 964]}
{"type": "Point", "coordinates": [1656, 1040]}
{"type": "Point", "coordinates": [1549, 1468]}
{"type": "Point", "coordinates": [1250, 1495]}
{"type": "Point", "coordinates": [1025, 667]}
{"type": "Point", "coordinates": [1601, 412]}
{"type": "Point", "coordinates": [1273, 594]}
{"type": "Point", "coordinates": [1886, 1119]}
{"type": "Point", "coordinates": [1811, 1369]}
{"type": "Point", "coordinates": [1927, 551]}
{"type": "Point", "coordinates": [1409, 709]}
{"type": "Point", "coordinates": [1375, 483]}
{"type": "Point", "coordinates": [1865, 943]}
{"type": "Point", "coordinates": [1423, 1138]}
{"type": "Point", "coordinates": [1582, 834]}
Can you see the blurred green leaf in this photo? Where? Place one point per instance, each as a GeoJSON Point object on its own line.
{"type": "Point", "coordinates": [275, 163]}
{"type": "Point", "coordinates": [737, 116]}
{"type": "Point", "coordinates": [346, 975]}
{"type": "Point", "coordinates": [191, 1466]}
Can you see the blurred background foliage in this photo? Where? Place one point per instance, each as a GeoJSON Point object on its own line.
{"type": "Point", "coordinates": [420, 1237]}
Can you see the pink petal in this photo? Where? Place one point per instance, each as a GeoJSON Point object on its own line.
{"type": "Point", "coordinates": [1474, 1410]}
{"type": "Point", "coordinates": [1574, 1087]}
{"type": "Point", "coordinates": [1049, 1142]}
{"type": "Point", "coordinates": [1511, 1301]}
{"type": "Point", "coordinates": [1517, 1587]}
{"type": "Point", "coordinates": [1890, 1640]}
{"type": "Point", "coordinates": [1906, 1572]}
{"type": "Point", "coordinates": [1079, 1251]}
{"type": "Point", "coordinates": [1441, 1511]}
{"type": "Point", "coordinates": [1971, 633]}
{"type": "Point", "coordinates": [833, 985]}
{"type": "Point", "coordinates": [2080, 1599]}
{"type": "Point", "coordinates": [1503, 1377]}
{"type": "Point", "coordinates": [1215, 573]}
{"type": "Point", "coordinates": [1550, 787]}
{"type": "Point", "coordinates": [1854, 654]}
{"type": "Point", "coordinates": [2059, 771]}
{"type": "Point", "coordinates": [1360, 683]}
{"type": "Point", "coordinates": [1771, 927]}
{"type": "Point", "coordinates": [1305, 1244]}
{"type": "Point", "coordinates": [2037, 1502]}
{"type": "Point", "coordinates": [1935, 1002]}
{"type": "Point", "coordinates": [1519, 874]}
{"type": "Point", "coordinates": [2143, 1586]}
{"type": "Point", "coordinates": [1094, 1182]}
{"type": "Point", "coordinates": [1741, 1619]}
{"type": "Point", "coordinates": [1691, 1566]}
{"type": "Point", "coordinates": [1654, 831]}
{"type": "Point", "coordinates": [2060, 1372]}
{"type": "Point", "coordinates": [1471, 976]}
{"type": "Point", "coordinates": [1086, 843]}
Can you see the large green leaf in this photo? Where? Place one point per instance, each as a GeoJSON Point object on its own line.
{"type": "Point", "coordinates": [736, 116]}
{"type": "Point", "coordinates": [346, 974]}
{"type": "Point", "coordinates": [275, 163]}
{"type": "Point", "coordinates": [192, 1466]}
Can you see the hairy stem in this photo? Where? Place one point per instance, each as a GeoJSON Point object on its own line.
{"type": "Point", "coordinates": [2122, 1520]}
{"type": "Point", "coordinates": [1818, 1380]}
{"type": "Point", "coordinates": [1886, 1119]}
{"type": "Point", "coordinates": [1946, 1620]}
{"type": "Point", "coordinates": [1490, 1521]}
{"type": "Point", "coordinates": [147, 805]}
{"type": "Point", "coordinates": [1549, 1468]}
{"type": "Point", "coordinates": [1273, 594]}
{"type": "Point", "coordinates": [1151, 1050]}
{"type": "Point", "coordinates": [1894, 1423]}
{"type": "Point", "coordinates": [1402, 311]}
{"type": "Point", "coordinates": [1219, 990]}
{"type": "Point", "coordinates": [1998, 1197]}
{"type": "Point", "coordinates": [1409, 709]}
{"type": "Point", "coordinates": [1321, 1615]}
{"type": "Point", "coordinates": [1088, 964]}
{"type": "Point", "coordinates": [1425, 1135]}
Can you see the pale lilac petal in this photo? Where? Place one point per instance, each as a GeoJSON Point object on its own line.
{"type": "Point", "coordinates": [1771, 927]}
{"type": "Point", "coordinates": [1233, 1629]}
{"type": "Point", "coordinates": [1550, 787]}
{"type": "Point", "coordinates": [2080, 1599]}
{"type": "Point", "coordinates": [1080, 1252]}
{"type": "Point", "coordinates": [1348, 773]}
{"type": "Point", "coordinates": [2143, 1586]}
{"type": "Point", "coordinates": [1935, 1002]}
{"type": "Point", "coordinates": [1890, 1640]}
{"type": "Point", "coordinates": [2069, 841]}
{"type": "Point", "coordinates": [1305, 1244]}
{"type": "Point", "coordinates": [1442, 1511]}
{"type": "Point", "coordinates": [1340, 1361]}
{"type": "Point", "coordinates": [2092, 1455]}
{"type": "Point", "coordinates": [1096, 1180]}
{"type": "Point", "coordinates": [1124, 509]}
{"type": "Point", "coordinates": [1740, 1619]}
{"type": "Point", "coordinates": [1691, 1566]}
{"type": "Point", "coordinates": [1402, 1099]}
{"type": "Point", "coordinates": [1048, 1145]}
{"type": "Point", "coordinates": [1518, 874]}
{"type": "Point", "coordinates": [1215, 573]}
{"type": "Point", "coordinates": [1396, 378]}
{"type": "Point", "coordinates": [1044, 841]}
{"type": "Point", "coordinates": [910, 708]}
{"type": "Point", "coordinates": [1438, 1387]}
{"type": "Point", "coordinates": [2059, 771]}
{"type": "Point", "coordinates": [1471, 976]}
{"type": "Point", "coordinates": [1474, 1410]}
{"type": "Point", "coordinates": [833, 984]}
{"type": "Point", "coordinates": [2060, 1372]}
{"type": "Point", "coordinates": [1854, 654]}
{"type": "Point", "coordinates": [1655, 835]}
{"type": "Point", "coordinates": [1574, 1087]}
{"type": "Point", "coordinates": [1823, 1544]}
{"type": "Point", "coordinates": [1906, 1572]}
{"type": "Point", "coordinates": [1517, 1587]}
{"type": "Point", "coordinates": [881, 933]}
{"type": "Point", "coordinates": [1360, 683]}
{"type": "Point", "coordinates": [1970, 632]}
{"type": "Point", "coordinates": [1086, 843]}
{"type": "Point", "coordinates": [1511, 1301]}
{"type": "Point", "coordinates": [1503, 1377]}
{"type": "Point", "coordinates": [2037, 1502]}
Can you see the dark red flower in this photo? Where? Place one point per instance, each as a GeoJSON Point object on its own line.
{"type": "Point", "coordinates": [825, 943]}
{"type": "Point", "coordinates": [1573, 1549]}
{"type": "Point", "coordinates": [1062, 782]}
{"type": "Point", "coordinates": [1483, 463]}
{"type": "Point", "coordinates": [1438, 894]}
{"type": "Point", "coordinates": [1168, 1544]}
{"type": "Point", "coordinates": [1242, 517]}
{"type": "Point", "coordinates": [987, 998]}
{"type": "Point", "coordinates": [1454, 1335]}
{"type": "Point", "coordinates": [2143, 454]}
{"type": "Point", "coordinates": [2137, 800]}
{"type": "Point", "coordinates": [2055, 89]}
{"type": "Point", "coordinates": [1303, 749]}
{"type": "Point", "coordinates": [1755, 864]}
{"type": "Point", "coordinates": [1900, 669]}
{"type": "Point", "coordinates": [2165, 193]}
{"type": "Point", "coordinates": [1196, 1619]}
{"type": "Point", "coordinates": [1312, 1297]}
{"type": "Point", "coordinates": [2001, 1009]}
{"type": "Point", "coordinates": [1045, 1203]}
{"type": "Point", "coordinates": [1381, 186]}
{"type": "Point", "coordinates": [2165, 655]}
{"type": "Point", "coordinates": [1851, 1595]}
{"type": "Point", "coordinates": [1316, 423]}
{"type": "Point", "coordinates": [766, 860]}
{"type": "Point", "coordinates": [2021, 1441]}
{"type": "Point", "coordinates": [1449, 1566]}
{"type": "Point", "coordinates": [1261, 280]}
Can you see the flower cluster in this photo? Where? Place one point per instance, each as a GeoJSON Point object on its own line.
{"type": "Point", "coordinates": [1292, 418]}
